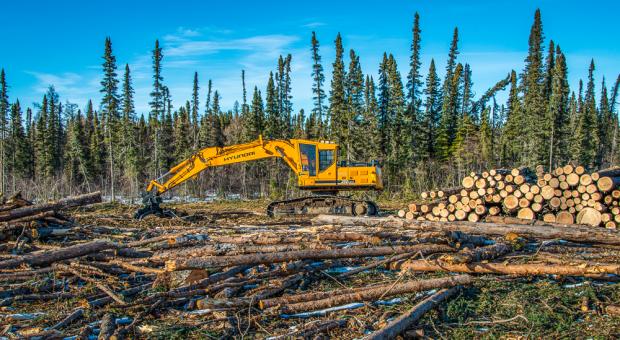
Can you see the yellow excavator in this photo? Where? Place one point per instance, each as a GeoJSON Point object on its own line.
{"type": "Point", "coordinates": [314, 162]}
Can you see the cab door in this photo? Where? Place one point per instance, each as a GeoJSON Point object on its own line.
{"type": "Point", "coordinates": [308, 157]}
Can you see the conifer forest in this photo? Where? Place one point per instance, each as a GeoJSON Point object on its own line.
{"type": "Point", "coordinates": [425, 132]}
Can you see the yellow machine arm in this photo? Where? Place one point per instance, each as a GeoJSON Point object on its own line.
{"type": "Point", "coordinates": [216, 156]}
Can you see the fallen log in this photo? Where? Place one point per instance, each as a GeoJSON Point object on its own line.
{"type": "Point", "coordinates": [409, 318]}
{"type": "Point", "coordinates": [108, 325]}
{"type": "Point", "coordinates": [478, 254]}
{"type": "Point", "coordinates": [107, 299]}
{"type": "Point", "coordinates": [378, 293]}
{"type": "Point", "coordinates": [23, 275]}
{"type": "Point", "coordinates": [36, 297]}
{"type": "Point", "coordinates": [68, 202]}
{"type": "Point", "coordinates": [508, 269]}
{"type": "Point", "coordinates": [212, 279]}
{"type": "Point", "coordinates": [254, 259]}
{"type": "Point", "coordinates": [313, 296]}
{"type": "Point", "coordinates": [575, 233]}
{"type": "Point", "coordinates": [51, 256]}
{"type": "Point", "coordinates": [104, 288]}
{"type": "Point", "coordinates": [76, 314]}
{"type": "Point", "coordinates": [375, 264]}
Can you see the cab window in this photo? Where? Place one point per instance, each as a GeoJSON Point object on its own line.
{"type": "Point", "coordinates": [326, 159]}
{"type": "Point", "coordinates": [308, 158]}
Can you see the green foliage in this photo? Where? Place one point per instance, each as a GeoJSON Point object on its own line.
{"type": "Point", "coordinates": [318, 78]}
{"type": "Point", "coordinates": [273, 126]}
{"type": "Point", "coordinates": [355, 139]}
{"type": "Point", "coordinates": [337, 102]}
{"type": "Point", "coordinates": [587, 131]}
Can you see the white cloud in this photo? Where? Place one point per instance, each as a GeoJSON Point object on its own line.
{"type": "Point", "coordinates": [314, 24]}
{"type": "Point", "coordinates": [70, 86]}
{"type": "Point", "coordinates": [205, 47]}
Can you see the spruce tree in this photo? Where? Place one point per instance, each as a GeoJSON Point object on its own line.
{"type": "Point", "coordinates": [97, 150]}
{"type": "Point", "coordinates": [337, 101]}
{"type": "Point", "coordinates": [17, 145]}
{"type": "Point", "coordinates": [299, 128]}
{"type": "Point", "coordinates": [512, 138]}
{"type": "Point", "coordinates": [129, 142]}
{"type": "Point", "coordinates": [575, 120]}
{"type": "Point", "coordinates": [486, 138]}
{"type": "Point", "coordinates": [208, 102]}
{"type": "Point", "coordinates": [430, 117]}
{"type": "Point", "coordinates": [615, 140]}
{"type": "Point", "coordinates": [450, 65]}
{"type": "Point", "coordinates": [370, 124]}
{"type": "Point", "coordinates": [4, 109]}
{"type": "Point", "coordinates": [29, 144]}
{"type": "Point", "coordinates": [157, 109]}
{"type": "Point", "coordinates": [273, 126]}
{"type": "Point", "coordinates": [54, 132]}
{"type": "Point", "coordinates": [245, 108]}
{"type": "Point", "coordinates": [605, 128]}
{"type": "Point", "coordinates": [167, 141]}
{"type": "Point", "coordinates": [400, 127]}
{"type": "Point", "coordinates": [466, 145]}
{"type": "Point", "coordinates": [43, 158]}
{"type": "Point", "coordinates": [183, 140]}
{"type": "Point", "coordinates": [77, 161]}
{"type": "Point", "coordinates": [287, 102]}
{"type": "Point", "coordinates": [109, 110]}
{"type": "Point", "coordinates": [211, 128]}
{"type": "Point", "coordinates": [195, 108]}
{"type": "Point", "coordinates": [254, 126]}
{"type": "Point", "coordinates": [468, 95]}
{"type": "Point", "coordinates": [558, 116]}
{"type": "Point", "coordinates": [414, 89]}
{"type": "Point", "coordinates": [588, 129]}
{"type": "Point", "coordinates": [383, 113]}
{"type": "Point", "coordinates": [534, 103]}
{"type": "Point", "coordinates": [354, 142]}
{"type": "Point", "coordinates": [318, 79]}
{"type": "Point", "coordinates": [549, 70]}
{"type": "Point", "coordinates": [449, 123]}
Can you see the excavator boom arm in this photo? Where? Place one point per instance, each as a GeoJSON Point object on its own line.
{"type": "Point", "coordinates": [219, 156]}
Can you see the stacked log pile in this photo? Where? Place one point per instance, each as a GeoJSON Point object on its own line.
{"type": "Point", "coordinates": [264, 279]}
{"type": "Point", "coordinates": [566, 195]}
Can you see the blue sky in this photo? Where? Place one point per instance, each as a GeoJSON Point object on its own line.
{"type": "Point", "coordinates": [61, 42]}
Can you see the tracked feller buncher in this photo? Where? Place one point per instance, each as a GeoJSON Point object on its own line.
{"type": "Point", "coordinates": [314, 162]}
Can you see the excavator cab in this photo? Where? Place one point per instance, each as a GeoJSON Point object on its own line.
{"type": "Point", "coordinates": [321, 171]}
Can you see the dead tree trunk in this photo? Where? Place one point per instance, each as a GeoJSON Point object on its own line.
{"type": "Point", "coordinates": [377, 293]}
{"type": "Point", "coordinates": [47, 257]}
{"type": "Point", "coordinates": [68, 202]}
{"type": "Point", "coordinates": [408, 319]}
{"type": "Point", "coordinates": [575, 233]}
{"type": "Point", "coordinates": [254, 259]}
{"type": "Point", "coordinates": [509, 269]}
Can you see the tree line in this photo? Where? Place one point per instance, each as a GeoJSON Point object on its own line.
{"type": "Point", "coordinates": [425, 132]}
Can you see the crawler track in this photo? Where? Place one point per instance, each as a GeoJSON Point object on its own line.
{"type": "Point", "coordinates": [322, 204]}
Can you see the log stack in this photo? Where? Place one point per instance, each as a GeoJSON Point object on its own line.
{"type": "Point", "coordinates": [566, 195]}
